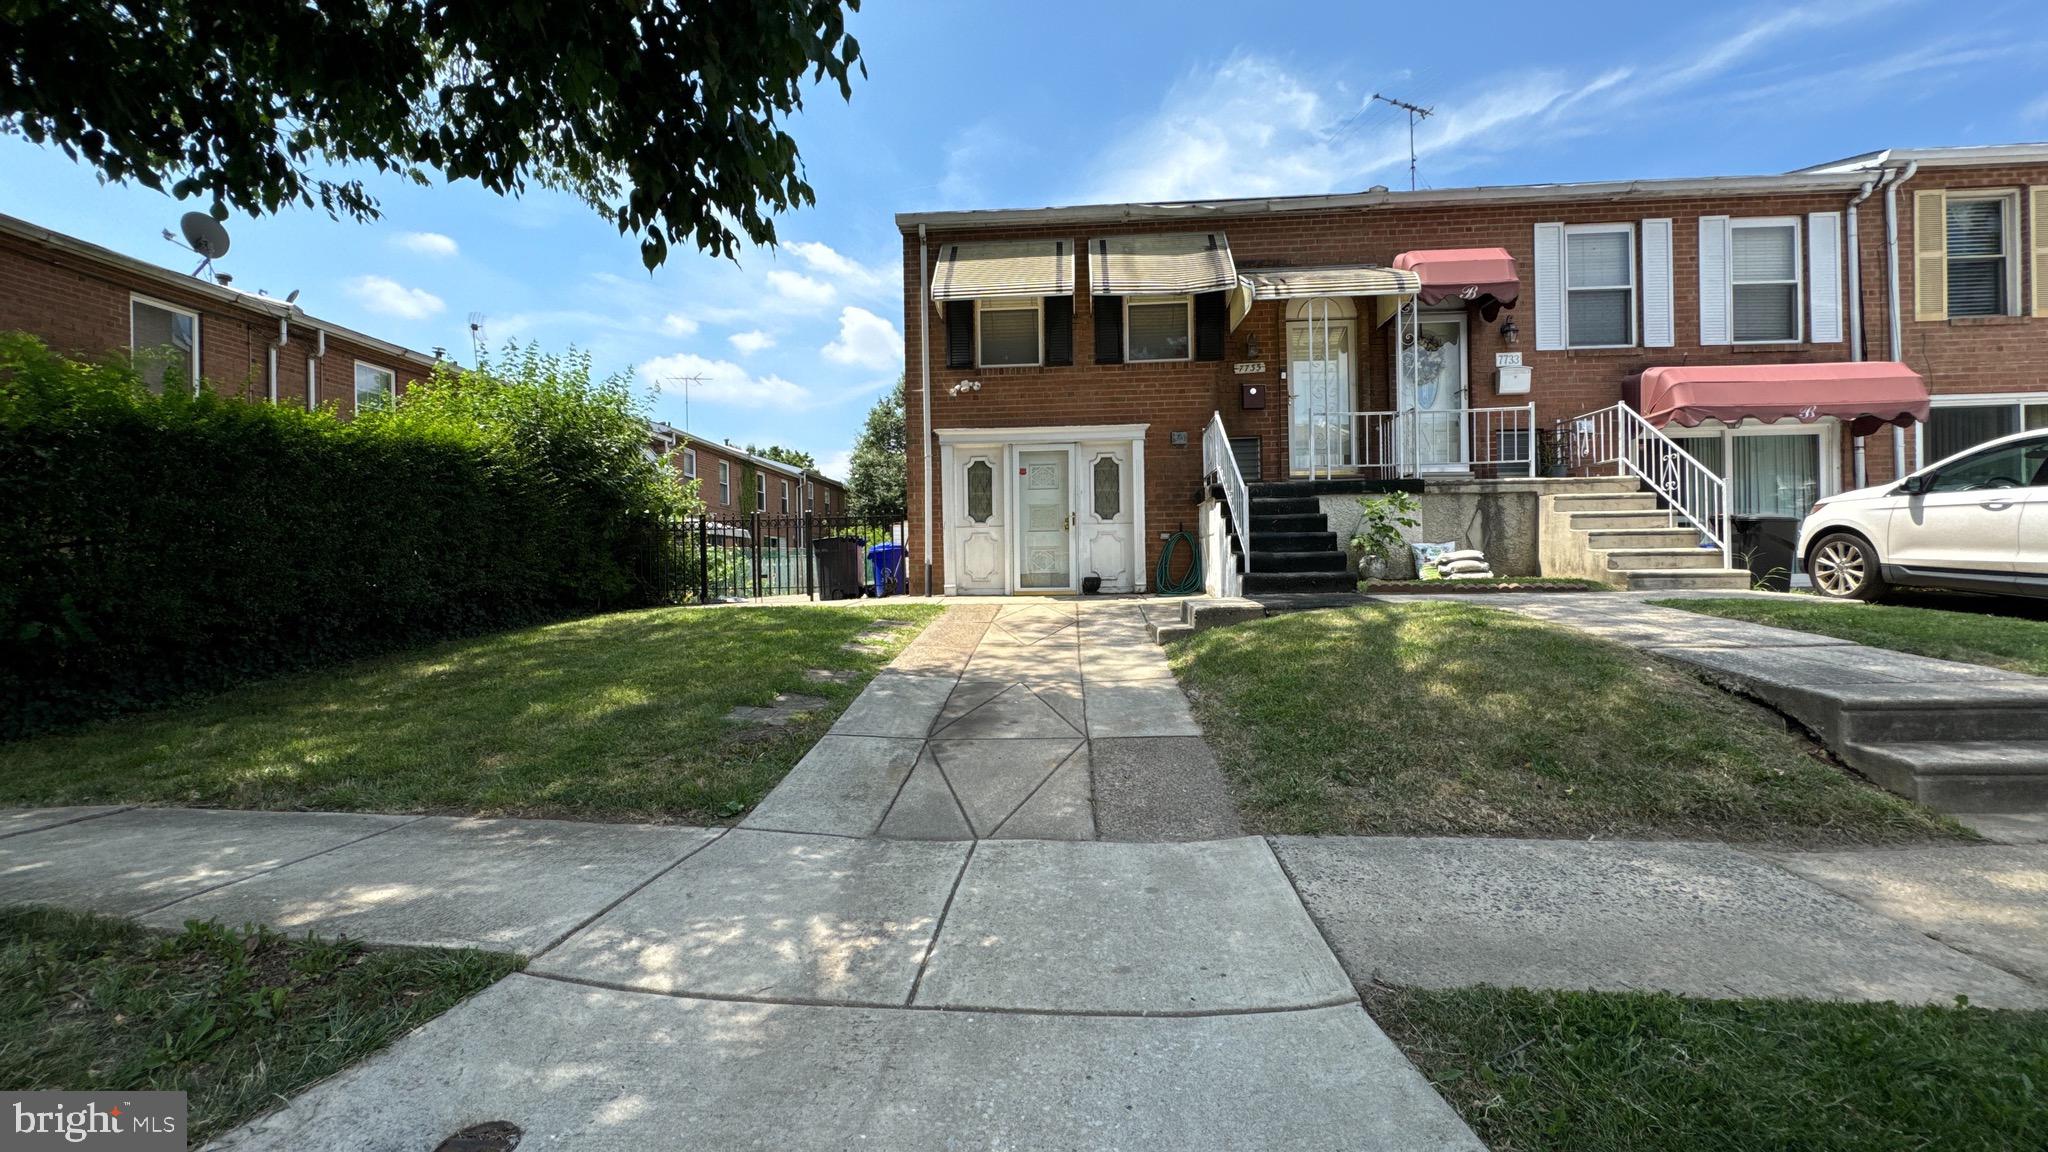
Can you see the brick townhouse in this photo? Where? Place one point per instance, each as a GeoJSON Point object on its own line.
{"type": "Point", "coordinates": [735, 482]}
{"type": "Point", "coordinates": [85, 300]}
{"type": "Point", "coordinates": [1795, 334]}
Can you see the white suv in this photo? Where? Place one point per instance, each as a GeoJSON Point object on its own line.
{"type": "Point", "coordinates": [1977, 522]}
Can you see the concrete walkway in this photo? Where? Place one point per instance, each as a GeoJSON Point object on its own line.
{"type": "Point", "coordinates": [723, 988]}
{"type": "Point", "coordinates": [1048, 720]}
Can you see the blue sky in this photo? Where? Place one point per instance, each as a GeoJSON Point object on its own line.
{"type": "Point", "coordinates": [1025, 104]}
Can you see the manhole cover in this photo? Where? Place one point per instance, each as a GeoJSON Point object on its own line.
{"type": "Point", "coordinates": [490, 1136]}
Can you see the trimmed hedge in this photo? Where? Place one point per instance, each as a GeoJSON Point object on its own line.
{"type": "Point", "coordinates": [151, 546]}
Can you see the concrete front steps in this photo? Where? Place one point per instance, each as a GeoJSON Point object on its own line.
{"type": "Point", "coordinates": [1955, 747]}
{"type": "Point", "coordinates": [1292, 547]}
{"type": "Point", "coordinates": [1618, 535]}
{"type": "Point", "coordinates": [1197, 614]}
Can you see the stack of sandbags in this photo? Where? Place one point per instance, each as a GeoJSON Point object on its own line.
{"type": "Point", "coordinates": [1463, 564]}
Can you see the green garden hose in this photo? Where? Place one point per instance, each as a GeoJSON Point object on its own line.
{"type": "Point", "coordinates": [1163, 582]}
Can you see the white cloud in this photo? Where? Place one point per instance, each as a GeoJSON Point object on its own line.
{"type": "Point", "coordinates": [865, 340]}
{"type": "Point", "coordinates": [387, 297]}
{"type": "Point", "coordinates": [677, 324]}
{"type": "Point", "coordinates": [838, 465]}
{"type": "Point", "coordinates": [723, 382]}
{"type": "Point", "coordinates": [427, 244]}
{"type": "Point", "coordinates": [824, 259]}
{"type": "Point", "coordinates": [800, 289]}
{"type": "Point", "coordinates": [749, 343]}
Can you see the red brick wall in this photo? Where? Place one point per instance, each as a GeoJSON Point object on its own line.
{"type": "Point", "coordinates": [80, 307]}
{"type": "Point", "coordinates": [1960, 356]}
{"type": "Point", "coordinates": [710, 453]}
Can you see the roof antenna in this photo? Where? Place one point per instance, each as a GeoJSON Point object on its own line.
{"type": "Point", "coordinates": [1415, 112]}
{"type": "Point", "coordinates": [204, 236]}
{"type": "Point", "coordinates": [685, 381]}
{"type": "Point", "coordinates": [476, 336]}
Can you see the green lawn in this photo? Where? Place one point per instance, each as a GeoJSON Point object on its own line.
{"type": "Point", "coordinates": [1623, 1072]}
{"type": "Point", "coordinates": [1441, 718]}
{"type": "Point", "coordinates": [616, 717]}
{"type": "Point", "coordinates": [1972, 637]}
{"type": "Point", "coordinates": [237, 1020]}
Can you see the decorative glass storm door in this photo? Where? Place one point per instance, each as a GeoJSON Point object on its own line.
{"type": "Point", "coordinates": [1319, 388]}
{"type": "Point", "coordinates": [1433, 389]}
{"type": "Point", "coordinates": [1045, 520]}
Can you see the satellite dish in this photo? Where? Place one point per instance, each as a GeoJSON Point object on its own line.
{"type": "Point", "coordinates": [204, 235]}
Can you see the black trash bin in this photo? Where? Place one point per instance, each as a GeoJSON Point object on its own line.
{"type": "Point", "coordinates": [838, 564]}
{"type": "Point", "coordinates": [1763, 544]}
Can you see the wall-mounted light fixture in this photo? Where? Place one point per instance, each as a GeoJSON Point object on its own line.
{"type": "Point", "coordinates": [964, 386]}
{"type": "Point", "coordinates": [1508, 332]}
{"type": "Point", "coordinates": [1251, 346]}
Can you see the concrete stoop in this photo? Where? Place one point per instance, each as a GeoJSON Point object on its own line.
{"type": "Point", "coordinates": [1200, 613]}
{"type": "Point", "coordinates": [1619, 536]}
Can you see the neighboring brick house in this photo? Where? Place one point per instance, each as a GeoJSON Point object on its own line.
{"type": "Point", "coordinates": [85, 300]}
{"type": "Point", "coordinates": [1054, 397]}
{"type": "Point", "coordinates": [734, 482]}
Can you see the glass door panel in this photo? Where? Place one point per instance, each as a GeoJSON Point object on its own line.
{"type": "Point", "coordinates": [1044, 538]}
{"type": "Point", "coordinates": [1434, 390]}
{"type": "Point", "coordinates": [1320, 393]}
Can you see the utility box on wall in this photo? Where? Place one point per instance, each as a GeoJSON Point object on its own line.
{"type": "Point", "coordinates": [1511, 380]}
{"type": "Point", "coordinates": [1252, 397]}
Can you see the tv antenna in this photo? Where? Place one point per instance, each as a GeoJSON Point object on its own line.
{"type": "Point", "coordinates": [476, 336]}
{"type": "Point", "coordinates": [685, 381]}
{"type": "Point", "coordinates": [205, 237]}
{"type": "Point", "coordinates": [1415, 112]}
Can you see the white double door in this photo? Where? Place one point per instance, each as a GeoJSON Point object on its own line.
{"type": "Point", "coordinates": [1041, 517]}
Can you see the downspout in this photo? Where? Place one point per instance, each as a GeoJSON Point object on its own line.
{"type": "Point", "coordinates": [924, 348]}
{"type": "Point", "coordinates": [313, 370]}
{"type": "Point", "coordinates": [1856, 306]}
{"type": "Point", "coordinates": [1897, 348]}
{"type": "Point", "coordinates": [284, 334]}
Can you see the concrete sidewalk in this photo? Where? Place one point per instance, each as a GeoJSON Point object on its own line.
{"type": "Point", "coordinates": [1049, 720]}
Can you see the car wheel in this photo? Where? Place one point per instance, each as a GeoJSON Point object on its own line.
{"type": "Point", "coordinates": [1845, 567]}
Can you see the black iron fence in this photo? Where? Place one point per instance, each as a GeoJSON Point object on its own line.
{"type": "Point", "coordinates": [709, 559]}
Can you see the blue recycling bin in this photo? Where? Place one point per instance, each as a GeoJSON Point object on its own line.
{"type": "Point", "coordinates": [886, 568]}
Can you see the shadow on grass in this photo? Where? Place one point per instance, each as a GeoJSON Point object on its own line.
{"type": "Point", "coordinates": [617, 716]}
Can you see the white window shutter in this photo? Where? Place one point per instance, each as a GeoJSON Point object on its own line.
{"type": "Point", "coordinates": [1930, 255]}
{"type": "Point", "coordinates": [1658, 321]}
{"type": "Point", "coordinates": [1549, 287]}
{"type": "Point", "coordinates": [1714, 280]}
{"type": "Point", "coordinates": [1824, 276]}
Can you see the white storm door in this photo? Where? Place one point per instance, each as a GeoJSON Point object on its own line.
{"type": "Point", "coordinates": [1106, 516]}
{"type": "Point", "coordinates": [1319, 391]}
{"type": "Point", "coordinates": [977, 527]}
{"type": "Point", "coordinates": [1434, 390]}
{"type": "Point", "coordinates": [1045, 519]}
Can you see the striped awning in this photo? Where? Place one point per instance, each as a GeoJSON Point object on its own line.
{"type": "Point", "coordinates": [1325, 280]}
{"type": "Point", "coordinates": [1165, 264]}
{"type": "Point", "coordinates": [1003, 269]}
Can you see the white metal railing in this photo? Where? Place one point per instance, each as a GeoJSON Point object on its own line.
{"type": "Point", "coordinates": [1620, 436]}
{"type": "Point", "coordinates": [1220, 462]}
{"type": "Point", "coordinates": [1415, 441]}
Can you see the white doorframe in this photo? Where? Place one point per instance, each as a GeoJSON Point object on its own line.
{"type": "Point", "coordinates": [957, 445]}
{"type": "Point", "coordinates": [1313, 324]}
{"type": "Point", "coordinates": [1405, 386]}
{"type": "Point", "coordinates": [1015, 455]}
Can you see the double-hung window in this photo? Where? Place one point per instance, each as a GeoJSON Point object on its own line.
{"type": "Point", "coordinates": [760, 492]}
{"type": "Point", "coordinates": [1158, 328]}
{"type": "Point", "coordinates": [785, 497]}
{"type": "Point", "coordinates": [690, 463]}
{"type": "Point", "coordinates": [1007, 333]}
{"type": "Point", "coordinates": [1980, 260]}
{"type": "Point", "coordinates": [375, 387]}
{"type": "Point", "coordinates": [1763, 280]}
{"type": "Point", "coordinates": [725, 484]}
{"type": "Point", "coordinates": [1599, 286]}
{"type": "Point", "coordinates": [165, 343]}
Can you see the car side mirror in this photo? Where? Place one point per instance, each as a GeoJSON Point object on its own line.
{"type": "Point", "coordinates": [1916, 485]}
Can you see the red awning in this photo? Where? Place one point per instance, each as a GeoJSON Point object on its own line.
{"type": "Point", "coordinates": [1865, 395]}
{"type": "Point", "coordinates": [1463, 274]}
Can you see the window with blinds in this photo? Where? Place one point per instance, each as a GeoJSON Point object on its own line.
{"type": "Point", "coordinates": [1763, 280]}
{"type": "Point", "coordinates": [1599, 286]}
{"type": "Point", "coordinates": [1978, 263]}
{"type": "Point", "coordinates": [1009, 333]}
{"type": "Point", "coordinates": [1158, 328]}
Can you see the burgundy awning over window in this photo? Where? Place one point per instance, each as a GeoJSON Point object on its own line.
{"type": "Point", "coordinates": [1865, 395]}
{"type": "Point", "coordinates": [1464, 274]}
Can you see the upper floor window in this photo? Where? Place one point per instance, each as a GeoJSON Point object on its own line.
{"type": "Point", "coordinates": [1158, 328]}
{"type": "Point", "coordinates": [785, 497]}
{"type": "Point", "coordinates": [1763, 280]}
{"type": "Point", "coordinates": [1979, 257]}
{"type": "Point", "coordinates": [375, 387]}
{"type": "Point", "coordinates": [1007, 333]}
{"type": "Point", "coordinates": [760, 492]}
{"type": "Point", "coordinates": [725, 483]}
{"type": "Point", "coordinates": [690, 463]}
{"type": "Point", "coordinates": [165, 343]}
{"type": "Point", "coordinates": [1599, 286]}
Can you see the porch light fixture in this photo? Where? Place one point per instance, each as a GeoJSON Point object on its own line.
{"type": "Point", "coordinates": [1509, 334]}
{"type": "Point", "coordinates": [1251, 346]}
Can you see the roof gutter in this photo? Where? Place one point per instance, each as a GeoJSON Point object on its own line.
{"type": "Point", "coordinates": [1897, 346]}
